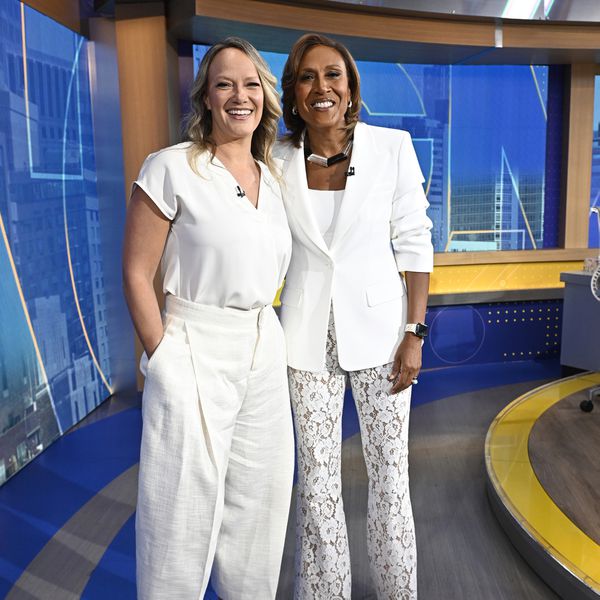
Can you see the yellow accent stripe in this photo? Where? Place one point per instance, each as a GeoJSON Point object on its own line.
{"type": "Point", "coordinates": [74, 287]}
{"type": "Point", "coordinates": [277, 301]}
{"type": "Point", "coordinates": [5, 236]}
{"type": "Point", "coordinates": [79, 311]}
{"type": "Point", "coordinates": [23, 303]}
{"type": "Point", "coordinates": [457, 279]}
{"type": "Point", "coordinates": [472, 231]}
{"type": "Point", "coordinates": [510, 471]}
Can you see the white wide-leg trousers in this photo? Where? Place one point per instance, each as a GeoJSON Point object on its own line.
{"type": "Point", "coordinates": [322, 552]}
{"type": "Point", "coordinates": [216, 461]}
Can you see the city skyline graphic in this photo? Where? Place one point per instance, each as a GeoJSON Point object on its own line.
{"type": "Point", "coordinates": [480, 136]}
{"type": "Point", "coordinates": [54, 351]}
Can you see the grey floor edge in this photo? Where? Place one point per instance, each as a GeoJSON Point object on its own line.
{"type": "Point", "coordinates": [463, 553]}
{"type": "Point", "coordinates": [563, 582]}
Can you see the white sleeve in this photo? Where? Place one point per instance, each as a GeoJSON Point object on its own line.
{"type": "Point", "coordinates": [410, 227]}
{"type": "Point", "coordinates": [156, 180]}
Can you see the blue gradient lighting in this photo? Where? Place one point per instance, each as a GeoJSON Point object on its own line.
{"type": "Point", "coordinates": [49, 208]}
{"type": "Point", "coordinates": [480, 136]}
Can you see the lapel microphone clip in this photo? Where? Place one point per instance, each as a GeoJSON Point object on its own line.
{"type": "Point", "coordinates": [350, 172]}
{"type": "Point", "coordinates": [240, 192]}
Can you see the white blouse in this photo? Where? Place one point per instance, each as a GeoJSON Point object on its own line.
{"type": "Point", "coordinates": [325, 205]}
{"type": "Point", "coordinates": [220, 250]}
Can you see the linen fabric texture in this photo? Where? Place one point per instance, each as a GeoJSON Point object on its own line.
{"type": "Point", "coordinates": [382, 228]}
{"type": "Point", "coordinates": [216, 462]}
{"type": "Point", "coordinates": [220, 251]}
{"type": "Point", "coordinates": [217, 456]}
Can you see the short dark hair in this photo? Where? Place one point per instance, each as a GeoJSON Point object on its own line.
{"type": "Point", "coordinates": [295, 123]}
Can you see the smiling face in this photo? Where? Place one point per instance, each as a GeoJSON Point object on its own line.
{"type": "Point", "coordinates": [321, 90]}
{"type": "Point", "coordinates": [234, 96]}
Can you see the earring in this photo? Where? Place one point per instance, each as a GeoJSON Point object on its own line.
{"type": "Point", "coordinates": [349, 103]}
{"type": "Point", "coordinates": [294, 110]}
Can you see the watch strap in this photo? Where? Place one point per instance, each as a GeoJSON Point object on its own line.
{"type": "Point", "coordinates": [418, 329]}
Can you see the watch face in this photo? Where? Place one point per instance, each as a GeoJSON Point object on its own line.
{"type": "Point", "coordinates": [422, 330]}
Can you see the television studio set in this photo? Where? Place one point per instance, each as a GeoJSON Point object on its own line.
{"type": "Point", "coordinates": [372, 372]}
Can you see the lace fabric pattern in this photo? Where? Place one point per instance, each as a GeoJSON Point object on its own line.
{"type": "Point", "coordinates": [322, 552]}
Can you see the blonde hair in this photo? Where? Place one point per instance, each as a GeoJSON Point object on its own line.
{"type": "Point", "coordinates": [198, 124]}
{"type": "Point", "coordinates": [294, 122]}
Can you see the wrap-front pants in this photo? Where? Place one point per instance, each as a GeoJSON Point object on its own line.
{"type": "Point", "coordinates": [216, 461]}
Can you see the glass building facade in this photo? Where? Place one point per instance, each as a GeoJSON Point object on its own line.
{"type": "Point", "coordinates": [54, 348]}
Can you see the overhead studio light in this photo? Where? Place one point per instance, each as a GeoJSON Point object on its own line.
{"type": "Point", "coordinates": [522, 9]}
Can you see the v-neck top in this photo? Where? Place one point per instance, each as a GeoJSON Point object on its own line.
{"type": "Point", "coordinates": [220, 250]}
{"type": "Point", "coordinates": [325, 206]}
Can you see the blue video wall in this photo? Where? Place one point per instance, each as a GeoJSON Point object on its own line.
{"type": "Point", "coordinates": [54, 348]}
{"type": "Point", "coordinates": [480, 133]}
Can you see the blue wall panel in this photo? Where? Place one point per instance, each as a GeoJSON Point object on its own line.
{"type": "Point", "coordinates": [54, 322]}
{"type": "Point", "coordinates": [491, 333]}
{"type": "Point", "coordinates": [480, 134]}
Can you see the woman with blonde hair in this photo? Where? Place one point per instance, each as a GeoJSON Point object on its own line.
{"type": "Point", "coordinates": [216, 459]}
{"type": "Point", "coordinates": [353, 308]}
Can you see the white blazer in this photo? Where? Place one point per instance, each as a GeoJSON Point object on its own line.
{"type": "Point", "coordinates": [381, 230]}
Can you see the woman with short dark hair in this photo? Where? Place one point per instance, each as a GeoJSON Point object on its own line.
{"type": "Point", "coordinates": [353, 307]}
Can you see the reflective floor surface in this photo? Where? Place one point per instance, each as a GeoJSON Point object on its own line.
{"type": "Point", "coordinates": [67, 520]}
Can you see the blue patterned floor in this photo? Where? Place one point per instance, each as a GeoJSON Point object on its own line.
{"type": "Point", "coordinates": [43, 496]}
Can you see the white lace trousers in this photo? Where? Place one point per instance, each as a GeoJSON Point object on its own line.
{"type": "Point", "coordinates": [322, 553]}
